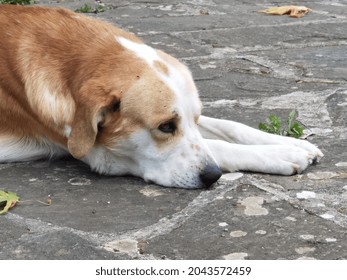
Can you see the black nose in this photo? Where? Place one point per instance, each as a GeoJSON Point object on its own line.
{"type": "Point", "coordinates": [210, 175]}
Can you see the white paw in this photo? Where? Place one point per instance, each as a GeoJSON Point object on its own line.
{"type": "Point", "coordinates": [285, 159]}
{"type": "Point", "coordinates": [313, 151]}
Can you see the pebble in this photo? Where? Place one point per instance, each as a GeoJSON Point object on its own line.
{"type": "Point", "coordinates": [151, 192]}
{"type": "Point", "coordinates": [304, 250]}
{"type": "Point", "coordinates": [307, 236]}
{"type": "Point", "coordinates": [79, 181]}
{"type": "Point", "coordinates": [238, 233]}
{"type": "Point", "coordinates": [236, 256]}
{"type": "Point", "coordinates": [306, 195]}
{"type": "Point", "coordinates": [327, 216]}
{"type": "Point", "coordinates": [329, 240]}
{"type": "Point", "coordinates": [223, 224]}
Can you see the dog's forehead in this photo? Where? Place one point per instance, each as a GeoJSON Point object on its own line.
{"type": "Point", "coordinates": [141, 50]}
{"type": "Point", "coordinates": [174, 74]}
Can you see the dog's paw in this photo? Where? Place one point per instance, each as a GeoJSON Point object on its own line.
{"type": "Point", "coordinates": [315, 154]}
{"type": "Point", "coordinates": [285, 159]}
{"type": "Point", "coordinates": [300, 158]}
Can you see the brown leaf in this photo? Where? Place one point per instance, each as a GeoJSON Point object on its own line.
{"type": "Point", "coordinates": [49, 200]}
{"type": "Point", "coordinates": [292, 11]}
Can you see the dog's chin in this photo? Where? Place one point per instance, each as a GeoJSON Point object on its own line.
{"type": "Point", "coordinates": [192, 182]}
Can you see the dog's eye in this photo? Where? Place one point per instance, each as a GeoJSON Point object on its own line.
{"type": "Point", "coordinates": [168, 127]}
{"type": "Point", "coordinates": [116, 107]}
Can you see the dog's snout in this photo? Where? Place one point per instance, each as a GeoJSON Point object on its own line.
{"type": "Point", "coordinates": [210, 175]}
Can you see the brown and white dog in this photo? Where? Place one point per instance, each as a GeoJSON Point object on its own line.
{"type": "Point", "coordinates": [73, 84]}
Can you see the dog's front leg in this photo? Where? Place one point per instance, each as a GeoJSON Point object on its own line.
{"type": "Point", "coordinates": [239, 147]}
{"type": "Point", "coordinates": [230, 131]}
{"type": "Point", "coordinates": [238, 133]}
{"type": "Point", "coordinates": [271, 159]}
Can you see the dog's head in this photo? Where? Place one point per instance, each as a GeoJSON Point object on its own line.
{"type": "Point", "coordinates": [142, 119]}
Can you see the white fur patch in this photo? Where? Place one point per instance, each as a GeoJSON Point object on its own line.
{"type": "Point", "coordinates": [49, 100]}
{"type": "Point", "coordinates": [141, 50]}
{"type": "Point", "coordinates": [13, 150]}
{"type": "Point", "coordinates": [67, 131]}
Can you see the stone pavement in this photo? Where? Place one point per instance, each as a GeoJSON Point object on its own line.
{"type": "Point", "coordinates": [247, 66]}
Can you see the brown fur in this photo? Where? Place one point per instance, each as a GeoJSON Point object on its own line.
{"type": "Point", "coordinates": [80, 66]}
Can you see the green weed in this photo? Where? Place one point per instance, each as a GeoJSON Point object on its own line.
{"type": "Point", "coordinates": [274, 126]}
{"type": "Point", "coordinates": [17, 2]}
{"type": "Point", "coordinates": [87, 9]}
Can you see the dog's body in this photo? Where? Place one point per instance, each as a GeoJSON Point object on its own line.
{"type": "Point", "coordinates": [72, 84]}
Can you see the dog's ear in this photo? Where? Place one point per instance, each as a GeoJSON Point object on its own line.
{"type": "Point", "coordinates": [83, 131]}
{"type": "Point", "coordinates": [92, 105]}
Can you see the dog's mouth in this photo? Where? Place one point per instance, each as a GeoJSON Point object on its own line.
{"type": "Point", "coordinates": [203, 180]}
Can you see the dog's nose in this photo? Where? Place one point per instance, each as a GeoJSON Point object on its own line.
{"type": "Point", "coordinates": [210, 175]}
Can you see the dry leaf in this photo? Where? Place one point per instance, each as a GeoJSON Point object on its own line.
{"type": "Point", "coordinates": [292, 11]}
{"type": "Point", "coordinates": [49, 200]}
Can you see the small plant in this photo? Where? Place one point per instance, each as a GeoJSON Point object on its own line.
{"type": "Point", "coordinates": [87, 9]}
{"type": "Point", "coordinates": [17, 2]}
{"type": "Point", "coordinates": [274, 126]}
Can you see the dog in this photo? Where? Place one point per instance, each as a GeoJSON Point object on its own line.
{"type": "Point", "coordinates": [71, 84]}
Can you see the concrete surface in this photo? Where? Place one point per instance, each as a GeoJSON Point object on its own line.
{"type": "Point", "coordinates": [247, 66]}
